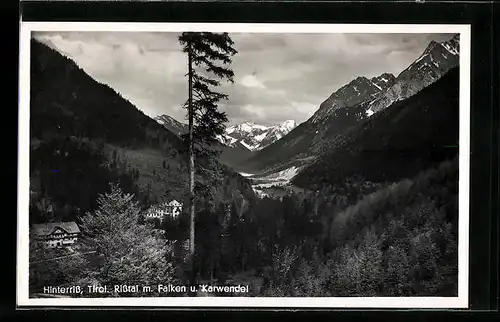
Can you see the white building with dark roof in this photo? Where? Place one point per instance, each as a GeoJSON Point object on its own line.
{"type": "Point", "coordinates": [57, 234]}
{"type": "Point", "coordinates": [172, 208]}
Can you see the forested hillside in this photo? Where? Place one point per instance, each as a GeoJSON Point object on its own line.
{"type": "Point", "coordinates": [85, 135]}
{"type": "Point", "coordinates": [399, 240]}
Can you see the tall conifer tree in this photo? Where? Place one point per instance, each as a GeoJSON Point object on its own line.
{"type": "Point", "coordinates": [209, 55]}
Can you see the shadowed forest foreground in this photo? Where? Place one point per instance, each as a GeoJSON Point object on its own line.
{"type": "Point", "coordinates": [395, 241]}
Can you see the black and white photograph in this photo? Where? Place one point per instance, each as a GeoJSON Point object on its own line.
{"type": "Point", "coordinates": [275, 165]}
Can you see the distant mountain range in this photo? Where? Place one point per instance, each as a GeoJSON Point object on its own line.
{"type": "Point", "coordinates": [248, 135]}
{"type": "Point", "coordinates": [256, 137]}
{"type": "Point", "coordinates": [360, 99]}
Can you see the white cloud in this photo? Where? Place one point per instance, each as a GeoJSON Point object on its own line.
{"type": "Point", "coordinates": [251, 81]}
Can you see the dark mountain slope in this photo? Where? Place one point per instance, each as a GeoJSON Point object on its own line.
{"type": "Point", "coordinates": [84, 134]}
{"type": "Point", "coordinates": [398, 142]}
{"type": "Point", "coordinates": [352, 94]}
{"type": "Point", "coordinates": [234, 155]}
{"type": "Point", "coordinates": [68, 102]}
{"type": "Point", "coordinates": [302, 145]}
{"type": "Point", "coordinates": [337, 113]}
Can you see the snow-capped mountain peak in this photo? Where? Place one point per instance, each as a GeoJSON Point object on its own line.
{"type": "Point", "coordinates": [435, 61]}
{"type": "Point", "coordinates": [255, 136]}
{"type": "Point", "coordinates": [172, 124]}
{"type": "Point", "coordinates": [246, 127]}
{"type": "Point", "coordinates": [226, 139]}
{"type": "Point", "coordinates": [379, 92]}
{"type": "Point", "coordinates": [287, 125]}
{"type": "Point", "coordinates": [355, 92]}
{"type": "Point", "coordinates": [248, 134]}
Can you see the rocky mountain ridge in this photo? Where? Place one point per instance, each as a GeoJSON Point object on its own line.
{"type": "Point", "coordinates": [354, 102]}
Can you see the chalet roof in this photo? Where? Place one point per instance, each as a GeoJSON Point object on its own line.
{"type": "Point", "coordinates": [48, 228]}
{"type": "Point", "coordinates": [174, 203]}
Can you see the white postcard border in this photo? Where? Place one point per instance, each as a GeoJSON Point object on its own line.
{"type": "Point", "coordinates": [461, 301]}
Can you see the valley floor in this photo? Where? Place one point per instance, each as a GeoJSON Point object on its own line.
{"type": "Point", "coordinates": [274, 184]}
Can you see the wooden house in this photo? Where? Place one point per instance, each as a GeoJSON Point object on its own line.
{"type": "Point", "coordinates": [57, 234]}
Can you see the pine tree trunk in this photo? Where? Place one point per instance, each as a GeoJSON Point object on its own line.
{"type": "Point", "coordinates": [191, 169]}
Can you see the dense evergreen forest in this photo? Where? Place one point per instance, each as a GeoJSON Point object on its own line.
{"type": "Point", "coordinates": [397, 241]}
{"type": "Point", "coordinates": [400, 240]}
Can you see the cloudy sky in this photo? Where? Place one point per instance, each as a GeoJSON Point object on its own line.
{"type": "Point", "coordinates": [277, 76]}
